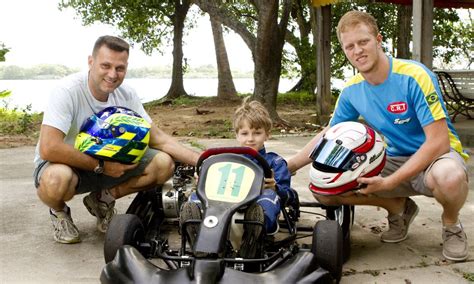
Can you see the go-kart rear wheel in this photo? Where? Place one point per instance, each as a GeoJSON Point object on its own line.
{"type": "Point", "coordinates": [327, 247]}
{"type": "Point", "coordinates": [124, 229]}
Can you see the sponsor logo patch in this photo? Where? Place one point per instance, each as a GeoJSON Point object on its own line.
{"type": "Point", "coordinates": [374, 157]}
{"type": "Point", "coordinates": [401, 121]}
{"type": "Point", "coordinates": [432, 98]}
{"type": "Point", "coordinates": [397, 107]}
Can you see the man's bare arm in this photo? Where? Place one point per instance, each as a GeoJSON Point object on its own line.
{"type": "Point", "coordinates": [301, 159]}
{"type": "Point", "coordinates": [164, 142]}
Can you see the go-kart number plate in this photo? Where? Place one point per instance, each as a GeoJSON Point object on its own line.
{"type": "Point", "coordinates": [228, 182]}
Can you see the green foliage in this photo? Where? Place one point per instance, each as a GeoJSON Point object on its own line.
{"type": "Point", "coordinates": [147, 22]}
{"type": "Point", "coordinates": [469, 276]}
{"type": "Point", "coordinates": [296, 98]}
{"type": "Point", "coordinates": [5, 93]}
{"type": "Point", "coordinates": [18, 121]}
{"type": "Point", "coordinates": [452, 38]}
{"type": "Point", "coordinates": [3, 51]}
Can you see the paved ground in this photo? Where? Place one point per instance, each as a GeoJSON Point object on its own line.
{"type": "Point", "coordinates": [28, 253]}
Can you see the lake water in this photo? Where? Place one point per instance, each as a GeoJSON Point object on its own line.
{"type": "Point", "coordinates": [36, 92]}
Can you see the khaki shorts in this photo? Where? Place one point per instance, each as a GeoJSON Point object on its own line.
{"type": "Point", "coordinates": [417, 185]}
{"type": "Point", "coordinates": [89, 181]}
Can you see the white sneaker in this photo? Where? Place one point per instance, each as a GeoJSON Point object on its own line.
{"type": "Point", "coordinates": [101, 210]}
{"type": "Point", "coordinates": [65, 231]}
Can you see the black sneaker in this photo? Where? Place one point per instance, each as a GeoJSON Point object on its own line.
{"type": "Point", "coordinates": [190, 211]}
{"type": "Point", "coordinates": [252, 241]}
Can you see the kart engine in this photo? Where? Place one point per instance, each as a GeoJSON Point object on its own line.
{"type": "Point", "coordinates": [177, 191]}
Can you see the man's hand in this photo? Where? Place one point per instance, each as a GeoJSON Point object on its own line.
{"type": "Point", "coordinates": [116, 169]}
{"type": "Point", "coordinates": [375, 184]}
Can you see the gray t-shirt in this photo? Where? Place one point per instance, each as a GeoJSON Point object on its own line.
{"type": "Point", "coordinates": [71, 103]}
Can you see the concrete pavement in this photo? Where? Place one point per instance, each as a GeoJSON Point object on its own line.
{"type": "Point", "coordinates": [28, 253]}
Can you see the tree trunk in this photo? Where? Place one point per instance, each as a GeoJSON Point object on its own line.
{"type": "Point", "coordinates": [404, 31]}
{"type": "Point", "coordinates": [226, 88]}
{"type": "Point", "coordinates": [321, 21]}
{"type": "Point", "coordinates": [177, 87]}
{"type": "Point", "coordinates": [266, 48]}
{"type": "Point", "coordinates": [268, 54]}
{"type": "Point", "coordinates": [304, 49]}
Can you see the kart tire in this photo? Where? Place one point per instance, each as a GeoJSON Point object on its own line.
{"type": "Point", "coordinates": [327, 247]}
{"type": "Point", "coordinates": [344, 215]}
{"type": "Point", "coordinates": [124, 229]}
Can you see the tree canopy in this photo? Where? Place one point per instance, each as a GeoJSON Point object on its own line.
{"type": "Point", "coordinates": [451, 37]}
{"type": "Point", "coordinates": [3, 51]}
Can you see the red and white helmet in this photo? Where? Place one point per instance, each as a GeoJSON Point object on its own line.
{"type": "Point", "coordinates": [348, 150]}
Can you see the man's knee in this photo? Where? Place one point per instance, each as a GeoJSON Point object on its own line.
{"type": "Point", "coordinates": [450, 176]}
{"type": "Point", "coordinates": [162, 166]}
{"type": "Point", "coordinates": [57, 179]}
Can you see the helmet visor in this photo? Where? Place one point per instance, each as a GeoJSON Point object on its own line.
{"type": "Point", "coordinates": [330, 156]}
{"type": "Point", "coordinates": [97, 127]}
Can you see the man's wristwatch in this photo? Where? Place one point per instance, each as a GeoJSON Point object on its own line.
{"type": "Point", "coordinates": [100, 167]}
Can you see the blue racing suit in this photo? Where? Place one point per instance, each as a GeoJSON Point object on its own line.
{"type": "Point", "coordinates": [270, 199]}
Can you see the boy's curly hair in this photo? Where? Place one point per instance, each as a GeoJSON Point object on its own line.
{"type": "Point", "coordinates": [253, 113]}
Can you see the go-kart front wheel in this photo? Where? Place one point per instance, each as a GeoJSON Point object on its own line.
{"type": "Point", "coordinates": [124, 229]}
{"type": "Point", "coordinates": [344, 215]}
{"type": "Point", "coordinates": [327, 247]}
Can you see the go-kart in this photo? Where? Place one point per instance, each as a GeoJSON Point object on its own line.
{"type": "Point", "coordinates": [136, 247]}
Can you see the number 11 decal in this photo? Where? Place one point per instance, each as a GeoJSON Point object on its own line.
{"type": "Point", "coordinates": [239, 175]}
{"type": "Point", "coordinates": [229, 181]}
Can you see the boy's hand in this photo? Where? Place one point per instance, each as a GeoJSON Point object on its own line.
{"type": "Point", "coordinates": [270, 182]}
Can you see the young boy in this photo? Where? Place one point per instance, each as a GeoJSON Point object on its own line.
{"type": "Point", "coordinates": [252, 125]}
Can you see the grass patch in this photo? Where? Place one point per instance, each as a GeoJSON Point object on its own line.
{"type": "Point", "coordinates": [181, 101]}
{"type": "Point", "coordinates": [469, 276]}
{"type": "Point", "coordinates": [296, 98]}
{"type": "Point", "coordinates": [197, 145]}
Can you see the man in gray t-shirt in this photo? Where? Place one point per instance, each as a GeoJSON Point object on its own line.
{"type": "Point", "coordinates": [61, 171]}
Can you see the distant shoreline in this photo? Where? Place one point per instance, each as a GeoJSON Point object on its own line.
{"type": "Point", "coordinates": [55, 71]}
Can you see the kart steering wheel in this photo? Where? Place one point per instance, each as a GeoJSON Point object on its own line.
{"type": "Point", "coordinates": [267, 170]}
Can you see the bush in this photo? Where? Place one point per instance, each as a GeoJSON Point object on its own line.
{"type": "Point", "coordinates": [19, 121]}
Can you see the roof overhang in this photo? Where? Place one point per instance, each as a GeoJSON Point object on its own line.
{"type": "Point", "coordinates": [437, 3]}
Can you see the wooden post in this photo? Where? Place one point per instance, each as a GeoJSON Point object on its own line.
{"type": "Point", "coordinates": [423, 32]}
{"type": "Point", "coordinates": [323, 63]}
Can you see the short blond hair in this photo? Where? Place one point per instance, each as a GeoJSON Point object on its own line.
{"type": "Point", "coordinates": [253, 113]}
{"type": "Point", "coordinates": [354, 18]}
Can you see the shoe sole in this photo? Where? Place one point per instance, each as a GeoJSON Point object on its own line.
{"type": "Point", "coordinates": [455, 258]}
{"type": "Point", "coordinates": [74, 241]}
{"type": "Point", "coordinates": [250, 239]}
{"type": "Point", "coordinates": [89, 208]}
{"type": "Point", "coordinates": [91, 211]}
{"type": "Point", "coordinates": [406, 235]}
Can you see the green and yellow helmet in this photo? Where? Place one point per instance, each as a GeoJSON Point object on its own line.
{"type": "Point", "coordinates": [116, 133]}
